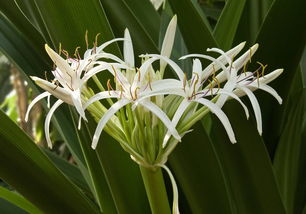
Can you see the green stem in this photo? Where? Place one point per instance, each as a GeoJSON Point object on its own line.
{"type": "Point", "coordinates": [156, 190]}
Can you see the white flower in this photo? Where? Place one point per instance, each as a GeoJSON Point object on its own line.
{"type": "Point", "coordinates": [191, 91]}
{"type": "Point", "coordinates": [130, 89]}
{"type": "Point", "coordinates": [70, 76]}
{"type": "Point", "coordinates": [245, 82]}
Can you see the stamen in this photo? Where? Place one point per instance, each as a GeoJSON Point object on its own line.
{"type": "Point", "coordinates": [135, 92]}
{"type": "Point", "coordinates": [195, 83]}
{"type": "Point", "coordinates": [138, 72]}
{"type": "Point", "coordinates": [96, 43]}
{"type": "Point", "coordinates": [257, 77]}
{"type": "Point", "coordinates": [70, 81]}
{"type": "Point", "coordinates": [57, 84]}
{"type": "Point", "coordinates": [60, 48]}
{"type": "Point", "coordinates": [76, 53]}
{"type": "Point", "coordinates": [211, 87]}
{"type": "Point", "coordinates": [263, 67]}
{"type": "Point", "coordinates": [46, 78]}
{"type": "Point", "coordinates": [86, 39]}
{"type": "Point", "coordinates": [185, 81]}
{"type": "Point", "coordinates": [150, 86]}
{"type": "Point", "coordinates": [250, 60]}
{"type": "Point", "coordinates": [65, 53]}
{"type": "Point", "coordinates": [109, 87]}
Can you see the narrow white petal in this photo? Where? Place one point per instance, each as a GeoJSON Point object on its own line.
{"type": "Point", "coordinates": [77, 102]}
{"type": "Point", "coordinates": [100, 96]}
{"type": "Point", "coordinates": [175, 206]}
{"type": "Point", "coordinates": [234, 96]}
{"type": "Point", "coordinates": [213, 67]}
{"type": "Point", "coordinates": [109, 56]}
{"type": "Point", "coordinates": [59, 61]}
{"type": "Point", "coordinates": [105, 44]}
{"type": "Point", "coordinates": [168, 42]}
{"type": "Point", "coordinates": [128, 51]}
{"type": "Point", "coordinates": [221, 115]}
{"type": "Point", "coordinates": [176, 118]}
{"type": "Point", "coordinates": [34, 101]}
{"type": "Point", "coordinates": [271, 76]}
{"type": "Point", "coordinates": [162, 116]}
{"type": "Point", "coordinates": [268, 89]}
{"type": "Point", "coordinates": [106, 117]}
{"type": "Point", "coordinates": [174, 66]}
{"type": "Point", "coordinates": [243, 59]}
{"type": "Point", "coordinates": [255, 106]}
{"type": "Point", "coordinates": [229, 86]}
{"type": "Point", "coordinates": [57, 91]}
{"type": "Point", "coordinates": [48, 119]}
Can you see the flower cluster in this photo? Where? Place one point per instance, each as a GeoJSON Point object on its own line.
{"type": "Point", "coordinates": [145, 112]}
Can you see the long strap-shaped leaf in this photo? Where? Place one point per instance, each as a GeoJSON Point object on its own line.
{"type": "Point", "coordinates": [18, 200]}
{"type": "Point", "coordinates": [26, 168]}
{"type": "Point", "coordinates": [282, 38]}
{"type": "Point", "coordinates": [193, 25]}
{"type": "Point", "coordinates": [290, 159]}
{"type": "Point", "coordinates": [228, 22]}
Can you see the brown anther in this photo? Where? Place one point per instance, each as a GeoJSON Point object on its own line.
{"type": "Point", "coordinates": [109, 87]}
{"type": "Point", "coordinates": [46, 78]}
{"type": "Point", "coordinates": [149, 83]}
{"type": "Point", "coordinates": [86, 39]}
{"type": "Point", "coordinates": [76, 53]}
{"type": "Point", "coordinates": [96, 43]}
{"type": "Point", "coordinates": [135, 93]}
{"type": "Point", "coordinates": [138, 72]}
{"type": "Point", "coordinates": [60, 48]}
{"type": "Point", "coordinates": [65, 53]}
{"type": "Point", "coordinates": [56, 83]}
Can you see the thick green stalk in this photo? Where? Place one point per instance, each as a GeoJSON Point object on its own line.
{"type": "Point", "coordinates": [155, 189]}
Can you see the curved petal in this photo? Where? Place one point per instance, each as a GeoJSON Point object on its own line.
{"type": "Point", "coordinates": [267, 89]}
{"type": "Point", "coordinates": [58, 92]}
{"type": "Point", "coordinates": [243, 59]}
{"type": "Point", "coordinates": [48, 119]}
{"type": "Point", "coordinates": [34, 101]}
{"type": "Point", "coordinates": [221, 115]}
{"type": "Point", "coordinates": [105, 44]}
{"type": "Point", "coordinates": [162, 116]}
{"type": "Point", "coordinates": [175, 206]}
{"type": "Point", "coordinates": [61, 63]}
{"type": "Point", "coordinates": [229, 86]}
{"type": "Point", "coordinates": [271, 76]}
{"type": "Point", "coordinates": [176, 118]}
{"type": "Point", "coordinates": [128, 51]}
{"type": "Point", "coordinates": [255, 106]}
{"type": "Point", "coordinates": [106, 117]}
{"type": "Point", "coordinates": [168, 42]}
{"type": "Point", "coordinates": [77, 102]}
{"type": "Point", "coordinates": [174, 66]}
{"type": "Point", "coordinates": [213, 67]}
{"type": "Point", "coordinates": [100, 96]}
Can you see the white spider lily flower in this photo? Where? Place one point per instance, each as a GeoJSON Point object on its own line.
{"type": "Point", "coordinates": [191, 91]}
{"type": "Point", "coordinates": [131, 87]}
{"type": "Point", "coordinates": [245, 83]}
{"type": "Point", "coordinates": [70, 76]}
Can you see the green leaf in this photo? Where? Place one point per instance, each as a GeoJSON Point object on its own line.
{"type": "Point", "coordinates": [281, 46]}
{"type": "Point", "coordinates": [9, 208]}
{"type": "Point", "coordinates": [197, 170]}
{"type": "Point", "coordinates": [247, 166]}
{"type": "Point", "coordinates": [72, 20]}
{"type": "Point", "coordinates": [289, 160]}
{"type": "Point", "coordinates": [31, 166]}
{"type": "Point", "coordinates": [193, 26]}
{"type": "Point", "coordinates": [70, 170]}
{"type": "Point", "coordinates": [98, 180]}
{"type": "Point", "coordinates": [227, 24]}
{"type": "Point", "coordinates": [15, 46]}
{"type": "Point", "coordinates": [143, 23]}
{"type": "Point", "coordinates": [18, 200]}
{"type": "Point", "coordinates": [123, 176]}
